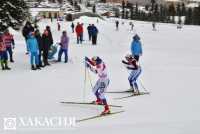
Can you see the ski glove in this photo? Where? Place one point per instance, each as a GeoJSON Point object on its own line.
{"type": "Point", "coordinates": [87, 59]}
{"type": "Point", "coordinates": [87, 65]}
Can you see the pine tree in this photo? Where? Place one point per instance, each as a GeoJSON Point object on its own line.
{"type": "Point", "coordinates": [123, 9]}
{"type": "Point", "coordinates": [172, 12]}
{"type": "Point", "coordinates": [188, 18]}
{"type": "Point", "coordinates": [12, 14]}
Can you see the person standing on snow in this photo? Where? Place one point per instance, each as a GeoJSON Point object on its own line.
{"type": "Point", "coordinates": [79, 32]}
{"type": "Point", "coordinates": [40, 45]}
{"type": "Point", "coordinates": [10, 43]}
{"type": "Point", "coordinates": [72, 26]}
{"type": "Point", "coordinates": [94, 33]}
{"type": "Point", "coordinates": [28, 28]}
{"type": "Point", "coordinates": [3, 54]}
{"type": "Point", "coordinates": [136, 47]}
{"type": "Point", "coordinates": [96, 65]}
{"type": "Point", "coordinates": [132, 64]}
{"type": "Point", "coordinates": [63, 47]}
{"type": "Point", "coordinates": [49, 35]}
{"type": "Point", "coordinates": [89, 32]}
{"type": "Point", "coordinates": [117, 25]}
{"type": "Point", "coordinates": [33, 49]}
{"type": "Point", "coordinates": [46, 41]}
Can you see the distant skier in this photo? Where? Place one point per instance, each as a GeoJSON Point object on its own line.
{"type": "Point", "coordinates": [136, 47]}
{"type": "Point", "coordinates": [132, 25]}
{"type": "Point", "coordinates": [154, 26]}
{"type": "Point", "coordinates": [58, 24]}
{"type": "Point", "coordinates": [33, 49]}
{"type": "Point", "coordinates": [96, 65]}
{"type": "Point", "coordinates": [10, 43]}
{"type": "Point", "coordinates": [72, 26]}
{"type": "Point", "coordinates": [3, 54]}
{"type": "Point", "coordinates": [132, 64]}
{"type": "Point", "coordinates": [64, 42]}
{"type": "Point", "coordinates": [117, 25]}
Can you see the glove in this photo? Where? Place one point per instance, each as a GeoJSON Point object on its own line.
{"type": "Point", "coordinates": [87, 59]}
{"type": "Point", "coordinates": [87, 65]}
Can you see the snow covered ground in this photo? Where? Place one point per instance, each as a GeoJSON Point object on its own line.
{"type": "Point", "coordinates": [171, 71]}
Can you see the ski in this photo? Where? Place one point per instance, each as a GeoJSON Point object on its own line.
{"type": "Point", "coordinates": [87, 103]}
{"type": "Point", "coordinates": [125, 91]}
{"type": "Point", "coordinates": [132, 95]}
{"type": "Point", "coordinates": [99, 116]}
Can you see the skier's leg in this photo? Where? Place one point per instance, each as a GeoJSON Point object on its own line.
{"type": "Point", "coordinates": [96, 92]}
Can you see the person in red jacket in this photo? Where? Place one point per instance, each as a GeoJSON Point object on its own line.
{"type": "Point", "coordinates": [79, 33]}
{"type": "Point", "coordinates": [10, 43]}
{"type": "Point", "coordinates": [3, 54]}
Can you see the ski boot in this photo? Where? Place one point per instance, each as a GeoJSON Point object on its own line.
{"type": "Point", "coordinates": [106, 110]}
{"type": "Point", "coordinates": [98, 102]}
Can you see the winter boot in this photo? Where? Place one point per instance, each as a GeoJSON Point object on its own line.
{"type": "Point", "coordinates": [33, 67]}
{"type": "Point", "coordinates": [6, 66]}
{"type": "Point", "coordinates": [38, 67]}
{"type": "Point", "coordinates": [106, 110]}
{"type": "Point", "coordinates": [2, 65]}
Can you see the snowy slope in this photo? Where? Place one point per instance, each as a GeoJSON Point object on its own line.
{"type": "Point", "coordinates": [171, 70]}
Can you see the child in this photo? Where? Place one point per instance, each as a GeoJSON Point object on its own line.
{"type": "Point", "coordinates": [63, 47]}
{"type": "Point", "coordinates": [3, 54]}
{"type": "Point", "coordinates": [10, 43]}
{"type": "Point", "coordinates": [33, 49]}
{"type": "Point", "coordinates": [131, 64]}
{"type": "Point", "coordinates": [97, 66]}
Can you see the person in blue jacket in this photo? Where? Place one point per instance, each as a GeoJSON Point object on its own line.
{"type": "Point", "coordinates": [94, 32]}
{"type": "Point", "coordinates": [33, 48]}
{"type": "Point", "coordinates": [136, 47]}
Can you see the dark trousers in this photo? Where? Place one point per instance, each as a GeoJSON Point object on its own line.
{"type": "Point", "coordinates": [94, 39]}
{"type": "Point", "coordinates": [40, 57]}
{"type": "Point", "coordinates": [10, 52]}
{"type": "Point", "coordinates": [90, 36]}
{"type": "Point", "coordinates": [61, 51]}
{"type": "Point", "coordinates": [45, 57]}
{"type": "Point", "coordinates": [79, 38]}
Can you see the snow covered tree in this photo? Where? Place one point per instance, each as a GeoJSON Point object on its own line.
{"type": "Point", "coordinates": [12, 14]}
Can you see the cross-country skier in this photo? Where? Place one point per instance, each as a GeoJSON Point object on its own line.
{"type": "Point", "coordinates": [132, 64]}
{"type": "Point", "coordinates": [96, 65]}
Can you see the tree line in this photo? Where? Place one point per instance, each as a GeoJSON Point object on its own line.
{"type": "Point", "coordinates": [170, 13]}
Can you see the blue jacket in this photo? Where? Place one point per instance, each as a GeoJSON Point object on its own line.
{"type": "Point", "coordinates": [94, 30]}
{"type": "Point", "coordinates": [136, 47]}
{"type": "Point", "coordinates": [32, 44]}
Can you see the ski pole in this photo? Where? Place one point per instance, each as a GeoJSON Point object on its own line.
{"type": "Point", "coordinates": [85, 78]}
{"type": "Point", "coordinates": [143, 86]}
{"type": "Point", "coordinates": [90, 79]}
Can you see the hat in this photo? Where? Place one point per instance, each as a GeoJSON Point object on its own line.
{"type": "Point", "coordinates": [136, 37]}
{"type": "Point", "coordinates": [97, 60]}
